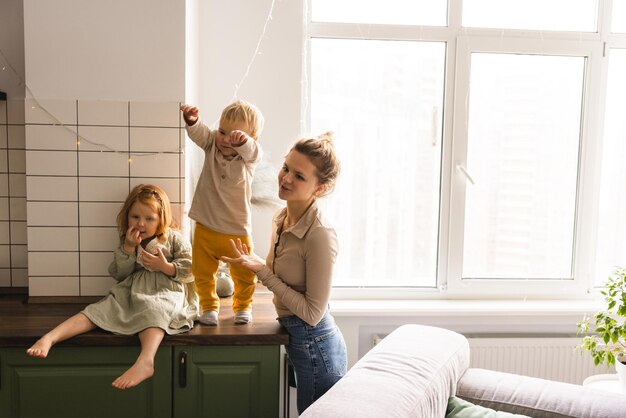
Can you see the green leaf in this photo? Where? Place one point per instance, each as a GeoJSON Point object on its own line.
{"type": "Point", "coordinates": [608, 339]}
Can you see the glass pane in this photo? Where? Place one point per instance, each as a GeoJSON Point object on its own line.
{"type": "Point", "coordinates": [618, 23]}
{"type": "Point", "coordinates": [393, 12]}
{"type": "Point", "coordinates": [383, 100]}
{"type": "Point", "coordinates": [611, 244]}
{"type": "Point", "coordinates": [523, 143]}
{"type": "Point", "coordinates": [557, 15]}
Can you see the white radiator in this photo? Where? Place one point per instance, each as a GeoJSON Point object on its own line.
{"type": "Point", "coordinates": [547, 358]}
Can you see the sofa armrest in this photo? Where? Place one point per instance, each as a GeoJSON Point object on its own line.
{"type": "Point", "coordinates": [411, 372]}
{"type": "Point", "coordinates": [538, 398]}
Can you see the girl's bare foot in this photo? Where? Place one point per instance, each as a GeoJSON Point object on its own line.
{"type": "Point", "coordinates": [40, 348]}
{"type": "Point", "coordinates": [140, 371]}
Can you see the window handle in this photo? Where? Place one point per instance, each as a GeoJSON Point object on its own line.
{"type": "Point", "coordinates": [467, 175]}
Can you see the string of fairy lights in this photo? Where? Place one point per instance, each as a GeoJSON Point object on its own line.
{"type": "Point", "coordinates": [102, 147]}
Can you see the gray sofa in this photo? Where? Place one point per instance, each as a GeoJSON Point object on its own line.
{"type": "Point", "coordinates": [416, 369]}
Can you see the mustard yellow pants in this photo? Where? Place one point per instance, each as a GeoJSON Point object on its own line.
{"type": "Point", "coordinates": [207, 248]}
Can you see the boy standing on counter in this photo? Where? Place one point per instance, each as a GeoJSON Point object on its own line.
{"type": "Point", "coordinates": [221, 203]}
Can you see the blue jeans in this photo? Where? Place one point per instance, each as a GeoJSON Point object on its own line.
{"type": "Point", "coordinates": [318, 355]}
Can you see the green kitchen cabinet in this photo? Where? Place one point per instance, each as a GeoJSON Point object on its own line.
{"type": "Point", "coordinates": [226, 381]}
{"type": "Point", "coordinates": [189, 381]}
{"type": "Point", "coordinates": [76, 382]}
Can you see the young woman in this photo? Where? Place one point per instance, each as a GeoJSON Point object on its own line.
{"type": "Point", "coordinates": [299, 268]}
{"type": "Point", "coordinates": [155, 293]}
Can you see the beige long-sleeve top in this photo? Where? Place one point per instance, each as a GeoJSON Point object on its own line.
{"type": "Point", "coordinates": [221, 201]}
{"type": "Point", "coordinates": [299, 267]}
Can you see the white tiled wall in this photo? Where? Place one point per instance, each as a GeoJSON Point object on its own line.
{"type": "Point", "coordinates": [13, 236]}
{"type": "Point", "coordinates": [78, 170]}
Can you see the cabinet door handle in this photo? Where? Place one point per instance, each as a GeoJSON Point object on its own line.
{"type": "Point", "coordinates": [182, 369]}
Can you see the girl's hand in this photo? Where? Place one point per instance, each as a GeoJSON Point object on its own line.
{"type": "Point", "coordinates": [190, 113]}
{"type": "Point", "coordinates": [243, 257]}
{"type": "Point", "coordinates": [237, 138]}
{"type": "Point", "coordinates": [157, 262]}
{"type": "Point", "coordinates": [132, 239]}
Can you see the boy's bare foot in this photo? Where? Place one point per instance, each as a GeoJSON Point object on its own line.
{"type": "Point", "coordinates": [40, 348]}
{"type": "Point", "coordinates": [140, 371]}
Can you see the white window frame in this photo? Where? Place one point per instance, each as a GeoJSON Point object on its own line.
{"type": "Point", "coordinates": [461, 42]}
{"type": "Point", "coordinates": [466, 45]}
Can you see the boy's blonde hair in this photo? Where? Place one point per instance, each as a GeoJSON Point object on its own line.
{"type": "Point", "coordinates": [242, 111]}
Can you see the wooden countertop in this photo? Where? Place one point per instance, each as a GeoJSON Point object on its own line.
{"type": "Point", "coordinates": [22, 323]}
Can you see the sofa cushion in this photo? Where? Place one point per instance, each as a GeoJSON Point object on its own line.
{"type": "Point", "coordinates": [458, 408]}
{"type": "Point", "coordinates": [411, 373]}
{"type": "Point", "coordinates": [538, 398]}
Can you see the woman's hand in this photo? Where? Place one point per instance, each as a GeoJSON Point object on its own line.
{"type": "Point", "coordinates": [157, 262]}
{"type": "Point", "coordinates": [243, 257]}
{"type": "Point", "coordinates": [132, 240]}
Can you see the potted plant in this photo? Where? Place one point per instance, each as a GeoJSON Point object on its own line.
{"type": "Point", "coordinates": [606, 339]}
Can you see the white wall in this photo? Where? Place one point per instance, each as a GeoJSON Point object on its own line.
{"type": "Point", "coordinates": [108, 50]}
{"type": "Point", "coordinates": [113, 73]}
{"type": "Point", "coordinates": [229, 33]}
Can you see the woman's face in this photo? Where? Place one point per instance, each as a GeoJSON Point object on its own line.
{"type": "Point", "coordinates": [144, 219]}
{"type": "Point", "coordinates": [297, 180]}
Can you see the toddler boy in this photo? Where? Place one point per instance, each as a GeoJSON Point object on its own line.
{"type": "Point", "coordinates": [221, 203]}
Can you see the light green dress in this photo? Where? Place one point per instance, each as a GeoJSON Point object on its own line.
{"type": "Point", "coordinates": [144, 298]}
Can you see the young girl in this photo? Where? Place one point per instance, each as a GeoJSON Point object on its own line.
{"type": "Point", "coordinates": [300, 266]}
{"type": "Point", "coordinates": [155, 293]}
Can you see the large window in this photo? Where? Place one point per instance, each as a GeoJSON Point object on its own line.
{"type": "Point", "coordinates": [366, 90]}
{"type": "Point", "coordinates": [522, 152]}
{"type": "Point", "coordinates": [482, 145]}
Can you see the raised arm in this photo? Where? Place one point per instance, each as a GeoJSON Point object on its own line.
{"type": "Point", "coordinates": [190, 113]}
{"type": "Point", "coordinates": [199, 133]}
